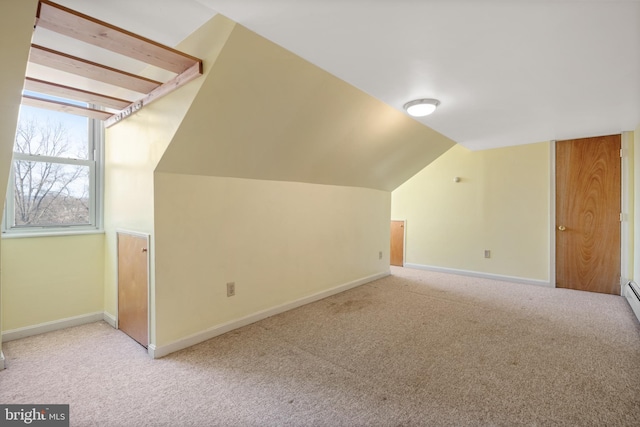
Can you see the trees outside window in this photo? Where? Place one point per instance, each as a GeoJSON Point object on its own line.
{"type": "Point", "coordinates": [53, 184]}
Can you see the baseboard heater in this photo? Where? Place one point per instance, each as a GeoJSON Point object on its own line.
{"type": "Point", "coordinates": [632, 292]}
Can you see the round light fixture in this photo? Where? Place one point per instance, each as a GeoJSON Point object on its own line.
{"type": "Point", "coordinates": [421, 107]}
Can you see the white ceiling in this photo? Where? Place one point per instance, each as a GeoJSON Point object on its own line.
{"type": "Point", "coordinates": [506, 72]}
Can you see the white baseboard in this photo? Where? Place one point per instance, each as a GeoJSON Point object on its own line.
{"type": "Point", "coordinates": [632, 297]}
{"type": "Point", "coordinates": [481, 275]}
{"type": "Point", "coordinates": [110, 319]}
{"type": "Point", "coordinates": [161, 351]}
{"type": "Point", "coordinates": [623, 285]}
{"type": "Point", "coordinates": [1, 361]}
{"type": "Point", "coordinates": [42, 328]}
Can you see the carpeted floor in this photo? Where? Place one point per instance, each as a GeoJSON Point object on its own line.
{"type": "Point", "coordinates": [414, 349]}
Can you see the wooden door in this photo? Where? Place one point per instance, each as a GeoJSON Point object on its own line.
{"type": "Point", "coordinates": [133, 299]}
{"type": "Point", "coordinates": [588, 214]}
{"type": "Point", "coordinates": [396, 253]}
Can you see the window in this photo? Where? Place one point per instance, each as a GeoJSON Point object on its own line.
{"type": "Point", "coordinates": [54, 184]}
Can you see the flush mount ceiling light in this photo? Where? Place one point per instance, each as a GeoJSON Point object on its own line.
{"type": "Point", "coordinates": [421, 107]}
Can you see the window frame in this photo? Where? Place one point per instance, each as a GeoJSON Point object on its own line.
{"type": "Point", "coordinates": [95, 163]}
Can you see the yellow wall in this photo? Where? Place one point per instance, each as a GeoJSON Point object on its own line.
{"type": "Point", "coordinates": [278, 241]}
{"type": "Point", "coordinates": [16, 26]}
{"type": "Point", "coordinates": [133, 149]}
{"type": "Point", "coordinates": [501, 204]}
{"type": "Point", "coordinates": [265, 113]}
{"type": "Point", "coordinates": [190, 141]}
{"type": "Point", "coordinates": [51, 278]}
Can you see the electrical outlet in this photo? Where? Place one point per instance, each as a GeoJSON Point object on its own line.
{"type": "Point", "coordinates": [380, 255]}
{"type": "Point", "coordinates": [487, 253]}
{"type": "Point", "coordinates": [231, 289]}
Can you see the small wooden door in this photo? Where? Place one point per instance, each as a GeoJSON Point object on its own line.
{"type": "Point", "coordinates": [588, 214]}
{"type": "Point", "coordinates": [133, 285]}
{"type": "Point", "coordinates": [396, 253]}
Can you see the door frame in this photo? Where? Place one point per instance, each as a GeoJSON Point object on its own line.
{"type": "Point", "coordinates": [626, 142]}
{"type": "Point", "coordinates": [404, 240]}
{"type": "Point", "coordinates": [148, 241]}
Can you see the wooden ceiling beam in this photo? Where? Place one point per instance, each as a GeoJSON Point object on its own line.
{"type": "Point", "coordinates": [173, 84]}
{"type": "Point", "coordinates": [70, 23]}
{"type": "Point", "coordinates": [65, 107]}
{"type": "Point", "coordinates": [91, 70]}
{"type": "Point", "coordinates": [67, 92]}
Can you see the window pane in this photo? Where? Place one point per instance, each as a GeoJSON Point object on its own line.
{"type": "Point", "coordinates": [51, 133]}
{"type": "Point", "coordinates": [51, 194]}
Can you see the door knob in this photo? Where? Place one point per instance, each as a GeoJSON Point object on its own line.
{"type": "Point", "coordinates": [144, 249]}
{"type": "Point", "coordinates": [562, 228]}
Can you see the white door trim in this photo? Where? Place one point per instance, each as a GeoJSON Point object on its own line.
{"type": "Point", "coordinates": [404, 241]}
{"type": "Point", "coordinates": [552, 214]}
{"type": "Point", "coordinates": [625, 180]}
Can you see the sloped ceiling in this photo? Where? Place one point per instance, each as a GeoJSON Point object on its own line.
{"type": "Point", "coordinates": [265, 113]}
{"type": "Point", "coordinates": [165, 21]}
{"type": "Point", "coordinates": [506, 72]}
{"type": "Point", "coordinates": [16, 26]}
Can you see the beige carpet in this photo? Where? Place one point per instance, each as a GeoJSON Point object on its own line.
{"type": "Point", "coordinates": [414, 349]}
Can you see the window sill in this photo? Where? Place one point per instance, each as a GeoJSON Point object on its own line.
{"type": "Point", "coordinates": [49, 233]}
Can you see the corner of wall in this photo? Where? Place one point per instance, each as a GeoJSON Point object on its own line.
{"type": "Point", "coordinates": [278, 241]}
{"type": "Point", "coordinates": [628, 208]}
{"type": "Point", "coordinates": [157, 352]}
{"type": "Point", "coordinates": [636, 203]}
{"type": "Point", "coordinates": [133, 149]}
{"type": "Point", "coordinates": [501, 193]}
{"type": "Point", "coordinates": [16, 28]}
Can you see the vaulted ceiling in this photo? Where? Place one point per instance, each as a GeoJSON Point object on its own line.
{"type": "Point", "coordinates": [257, 110]}
{"type": "Point", "coordinates": [506, 72]}
{"type": "Point", "coordinates": [262, 112]}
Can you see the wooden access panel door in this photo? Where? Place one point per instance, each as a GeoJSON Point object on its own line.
{"type": "Point", "coordinates": [133, 299]}
{"type": "Point", "coordinates": [588, 214]}
{"type": "Point", "coordinates": [396, 253]}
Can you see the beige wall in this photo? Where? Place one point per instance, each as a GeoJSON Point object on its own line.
{"type": "Point", "coordinates": [16, 26]}
{"type": "Point", "coordinates": [265, 113]}
{"type": "Point", "coordinates": [281, 240]}
{"type": "Point", "coordinates": [133, 149]}
{"type": "Point", "coordinates": [51, 278]}
{"type": "Point", "coordinates": [501, 204]}
{"type": "Point", "coordinates": [202, 149]}
{"type": "Point", "coordinates": [636, 206]}
{"type": "Point", "coordinates": [278, 241]}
